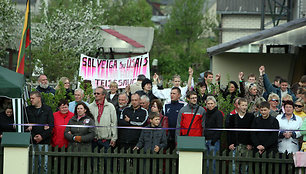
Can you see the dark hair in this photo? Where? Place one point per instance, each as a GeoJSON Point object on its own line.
{"type": "Point", "coordinates": [190, 93]}
{"type": "Point", "coordinates": [159, 104]}
{"type": "Point", "coordinates": [242, 100]}
{"type": "Point", "coordinates": [152, 115]}
{"type": "Point", "coordinates": [36, 93]}
{"type": "Point", "coordinates": [104, 92]}
{"type": "Point", "coordinates": [201, 84]}
{"type": "Point", "coordinates": [88, 113]}
{"type": "Point", "coordinates": [234, 83]}
{"type": "Point", "coordinates": [277, 78]}
{"type": "Point", "coordinates": [206, 73]}
{"type": "Point", "coordinates": [146, 81]}
{"type": "Point", "coordinates": [141, 77]}
{"type": "Point", "coordinates": [282, 80]}
{"type": "Point", "coordinates": [303, 79]}
{"type": "Point", "coordinates": [264, 104]}
{"type": "Point", "coordinates": [177, 88]}
{"type": "Point", "coordinates": [62, 102]}
{"type": "Point", "coordinates": [288, 102]}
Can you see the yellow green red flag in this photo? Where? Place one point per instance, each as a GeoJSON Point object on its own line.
{"type": "Point", "coordinates": [25, 40]}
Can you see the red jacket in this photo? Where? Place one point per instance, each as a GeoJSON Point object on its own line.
{"type": "Point", "coordinates": [184, 119]}
{"type": "Point", "coordinates": [58, 138]}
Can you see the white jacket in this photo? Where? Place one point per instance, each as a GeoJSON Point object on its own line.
{"type": "Point", "coordinates": [290, 145]}
{"type": "Point", "coordinates": [108, 121]}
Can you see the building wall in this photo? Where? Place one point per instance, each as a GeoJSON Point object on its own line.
{"type": "Point", "coordinates": [235, 26]}
{"type": "Point", "coordinates": [230, 64]}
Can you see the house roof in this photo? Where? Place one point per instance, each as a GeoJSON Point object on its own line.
{"type": "Point", "coordinates": [264, 34]}
{"type": "Point", "coordinates": [126, 39]}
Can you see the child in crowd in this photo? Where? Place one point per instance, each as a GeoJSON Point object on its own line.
{"type": "Point", "coordinates": [152, 139]}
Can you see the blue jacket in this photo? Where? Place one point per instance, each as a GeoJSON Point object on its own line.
{"type": "Point", "coordinates": [270, 88]}
{"type": "Point", "coordinates": [171, 110]}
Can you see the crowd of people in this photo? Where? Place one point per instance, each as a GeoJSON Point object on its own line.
{"type": "Point", "coordinates": [116, 119]}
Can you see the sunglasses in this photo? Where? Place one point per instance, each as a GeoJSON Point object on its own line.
{"type": "Point", "coordinates": [299, 106]}
{"type": "Point", "coordinates": [274, 100]}
{"type": "Point", "coordinates": [97, 93]}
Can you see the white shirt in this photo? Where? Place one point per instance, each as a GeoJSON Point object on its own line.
{"type": "Point", "coordinates": [165, 94]}
{"type": "Point", "coordinates": [291, 144]}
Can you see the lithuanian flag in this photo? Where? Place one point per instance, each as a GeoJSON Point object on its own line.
{"type": "Point", "coordinates": [25, 40]}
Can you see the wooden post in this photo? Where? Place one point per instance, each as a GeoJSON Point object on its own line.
{"type": "Point", "coordinates": [16, 152]}
{"type": "Point", "coordinates": [191, 154]}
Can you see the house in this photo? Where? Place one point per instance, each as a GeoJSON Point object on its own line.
{"type": "Point", "coordinates": [247, 35]}
{"type": "Point", "coordinates": [289, 60]}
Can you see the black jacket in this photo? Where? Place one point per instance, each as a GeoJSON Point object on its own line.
{"type": "Point", "coordinates": [150, 94]}
{"type": "Point", "coordinates": [5, 122]}
{"type": "Point", "coordinates": [47, 90]}
{"type": "Point", "coordinates": [267, 139]}
{"type": "Point", "coordinates": [240, 137]}
{"type": "Point", "coordinates": [138, 118]}
{"type": "Point", "coordinates": [214, 119]}
{"type": "Point", "coordinates": [42, 115]}
{"type": "Point", "coordinates": [114, 101]}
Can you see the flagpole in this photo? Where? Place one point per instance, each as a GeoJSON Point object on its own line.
{"type": "Point", "coordinates": [30, 46]}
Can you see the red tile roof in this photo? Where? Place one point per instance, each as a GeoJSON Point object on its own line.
{"type": "Point", "coordinates": [123, 37]}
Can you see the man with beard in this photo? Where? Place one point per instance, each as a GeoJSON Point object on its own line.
{"type": "Point", "coordinates": [44, 85]}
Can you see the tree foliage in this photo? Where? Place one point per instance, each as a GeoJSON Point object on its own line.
{"type": "Point", "coordinates": [182, 42]}
{"type": "Point", "coordinates": [129, 13]}
{"type": "Point", "coordinates": [62, 35]}
{"type": "Point", "coordinates": [66, 29]}
{"type": "Point", "coordinates": [9, 31]}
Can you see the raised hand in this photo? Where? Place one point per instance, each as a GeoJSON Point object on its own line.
{"type": "Point", "coordinates": [261, 70]}
{"type": "Point", "coordinates": [218, 77]}
{"type": "Point", "coordinates": [241, 76]}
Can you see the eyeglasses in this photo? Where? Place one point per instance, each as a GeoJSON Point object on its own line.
{"type": "Point", "coordinates": [274, 100]}
{"type": "Point", "coordinates": [298, 106]}
{"type": "Point", "coordinates": [97, 93]}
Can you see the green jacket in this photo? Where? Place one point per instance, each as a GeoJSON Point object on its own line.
{"type": "Point", "coordinates": [87, 133]}
{"type": "Point", "coordinates": [303, 127]}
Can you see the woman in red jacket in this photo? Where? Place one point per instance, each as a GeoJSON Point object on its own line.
{"type": "Point", "coordinates": [61, 117]}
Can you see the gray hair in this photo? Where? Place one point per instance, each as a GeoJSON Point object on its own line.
{"type": "Point", "coordinates": [212, 98]}
{"type": "Point", "coordinates": [126, 96]}
{"type": "Point", "coordinates": [79, 90]}
{"type": "Point", "coordinates": [104, 92]}
{"type": "Point", "coordinates": [144, 97]}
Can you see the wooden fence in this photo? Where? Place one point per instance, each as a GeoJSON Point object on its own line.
{"type": "Point", "coordinates": [253, 163]}
{"type": "Point", "coordinates": [66, 161]}
{"type": "Point", "coordinates": [113, 161]}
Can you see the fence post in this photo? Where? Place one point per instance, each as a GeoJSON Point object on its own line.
{"type": "Point", "coordinates": [190, 154]}
{"type": "Point", "coordinates": [16, 152]}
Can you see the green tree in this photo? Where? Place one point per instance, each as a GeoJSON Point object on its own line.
{"type": "Point", "coordinates": [129, 13]}
{"type": "Point", "coordinates": [9, 30]}
{"type": "Point", "coordinates": [66, 31]}
{"type": "Point", "coordinates": [182, 42]}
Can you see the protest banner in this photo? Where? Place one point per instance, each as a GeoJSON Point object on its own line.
{"type": "Point", "coordinates": [124, 71]}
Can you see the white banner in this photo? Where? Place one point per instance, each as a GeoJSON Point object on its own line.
{"type": "Point", "coordinates": [123, 71]}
